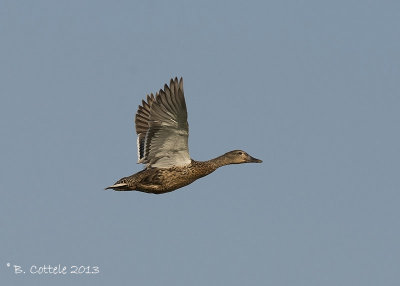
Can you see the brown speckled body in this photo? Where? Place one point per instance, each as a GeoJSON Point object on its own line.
{"type": "Point", "coordinates": [164, 180]}
{"type": "Point", "coordinates": [159, 181]}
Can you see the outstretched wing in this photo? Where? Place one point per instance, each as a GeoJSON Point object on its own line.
{"type": "Point", "coordinates": [162, 128]}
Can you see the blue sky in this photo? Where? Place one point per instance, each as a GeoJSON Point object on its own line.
{"type": "Point", "coordinates": [309, 87]}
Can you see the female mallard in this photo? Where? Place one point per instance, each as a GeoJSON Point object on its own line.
{"type": "Point", "coordinates": [162, 129]}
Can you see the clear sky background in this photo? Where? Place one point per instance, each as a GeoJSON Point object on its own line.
{"type": "Point", "coordinates": [310, 87]}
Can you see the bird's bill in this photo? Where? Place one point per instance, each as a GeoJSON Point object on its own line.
{"type": "Point", "coordinates": [254, 160]}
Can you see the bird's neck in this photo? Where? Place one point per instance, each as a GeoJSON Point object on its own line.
{"type": "Point", "coordinates": [219, 162]}
{"type": "Point", "coordinates": [203, 168]}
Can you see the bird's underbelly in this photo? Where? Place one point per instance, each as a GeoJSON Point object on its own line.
{"type": "Point", "coordinates": [164, 181]}
{"type": "Point", "coordinates": [164, 187]}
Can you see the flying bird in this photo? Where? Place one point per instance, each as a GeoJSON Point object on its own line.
{"type": "Point", "coordinates": [162, 141]}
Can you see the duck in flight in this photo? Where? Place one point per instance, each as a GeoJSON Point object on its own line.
{"type": "Point", "coordinates": [162, 140]}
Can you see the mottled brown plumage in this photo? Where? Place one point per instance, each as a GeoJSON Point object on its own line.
{"type": "Point", "coordinates": [162, 129]}
{"type": "Point", "coordinates": [159, 181]}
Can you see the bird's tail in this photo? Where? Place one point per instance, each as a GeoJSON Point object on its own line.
{"type": "Point", "coordinates": [118, 187]}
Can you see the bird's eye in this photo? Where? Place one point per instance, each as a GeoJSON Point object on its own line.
{"type": "Point", "coordinates": [240, 153]}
